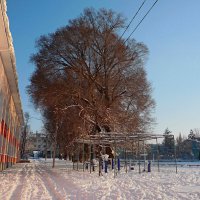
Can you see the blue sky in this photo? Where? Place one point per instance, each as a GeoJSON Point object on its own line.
{"type": "Point", "coordinates": [171, 32]}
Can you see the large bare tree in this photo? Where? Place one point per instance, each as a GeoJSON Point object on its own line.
{"type": "Point", "coordinates": [96, 80]}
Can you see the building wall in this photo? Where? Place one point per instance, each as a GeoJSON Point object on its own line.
{"type": "Point", "coordinates": [9, 124]}
{"type": "Point", "coordinates": [11, 115]}
{"type": "Point", "coordinates": [40, 143]}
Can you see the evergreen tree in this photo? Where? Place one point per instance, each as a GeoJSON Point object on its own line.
{"type": "Point", "coordinates": [191, 135]}
{"type": "Point", "coordinates": [179, 145]}
{"type": "Point", "coordinates": [168, 143]}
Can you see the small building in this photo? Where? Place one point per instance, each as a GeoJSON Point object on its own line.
{"type": "Point", "coordinates": [39, 145]}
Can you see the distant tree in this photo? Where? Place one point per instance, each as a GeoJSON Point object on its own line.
{"type": "Point", "coordinates": [30, 143]}
{"type": "Point", "coordinates": [194, 138]}
{"type": "Point", "coordinates": [24, 135]}
{"type": "Point", "coordinates": [196, 131]}
{"type": "Point", "coordinates": [194, 134]}
{"type": "Point", "coordinates": [179, 145]}
{"type": "Point", "coordinates": [62, 130]}
{"type": "Point", "coordinates": [186, 149]}
{"type": "Point", "coordinates": [191, 135]}
{"type": "Point", "coordinates": [168, 142]}
{"type": "Point", "coordinates": [167, 132]}
{"type": "Point", "coordinates": [179, 139]}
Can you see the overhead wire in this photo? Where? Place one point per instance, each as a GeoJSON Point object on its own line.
{"type": "Point", "coordinates": [133, 18]}
{"type": "Point", "coordinates": [141, 21]}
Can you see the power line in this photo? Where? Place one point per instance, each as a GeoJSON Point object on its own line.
{"type": "Point", "coordinates": [133, 18]}
{"type": "Point", "coordinates": [141, 21]}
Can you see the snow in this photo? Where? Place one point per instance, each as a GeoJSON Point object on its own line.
{"type": "Point", "coordinates": [37, 180]}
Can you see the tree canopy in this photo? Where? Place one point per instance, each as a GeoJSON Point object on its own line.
{"type": "Point", "coordinates": [88, 79]}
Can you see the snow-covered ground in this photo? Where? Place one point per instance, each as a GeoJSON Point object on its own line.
{"type": "Point", "coordinates": [37, 180]}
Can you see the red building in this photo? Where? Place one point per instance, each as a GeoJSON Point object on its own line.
{"type": "Point", "coordinates": [11, 115]}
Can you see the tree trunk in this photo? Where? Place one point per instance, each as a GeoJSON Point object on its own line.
{"type": "Point", "coordinates": [55, 145]}
{"type": "Point", "coordinates": [54, 154]}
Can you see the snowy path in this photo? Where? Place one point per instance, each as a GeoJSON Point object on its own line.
{"type": "Point", "coordinates": [34, 181]}
{"type": "Point", "coordinates": [37, 180]}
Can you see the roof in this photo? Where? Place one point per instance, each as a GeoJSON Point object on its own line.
{"type": "Point", "coordinates": [117, 137]}
{"type": "Point", "coordinates": [8, 58]}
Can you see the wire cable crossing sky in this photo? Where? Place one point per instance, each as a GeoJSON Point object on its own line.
{"type": "Point", "coordinates": [133, 18]}
{"type": "Point", "coordinates": [141, 20]}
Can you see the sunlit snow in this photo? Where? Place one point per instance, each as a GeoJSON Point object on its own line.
{"type": "Point", "coordinates": [37, 180]}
